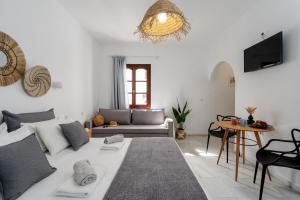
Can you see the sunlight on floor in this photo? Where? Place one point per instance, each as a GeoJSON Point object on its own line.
{"type": "Point", "coordinates": [204, 154]}
{"type": "Point", "coordinates": [189, 154]}
{"type": "Point", "coordinates": [201, 153]}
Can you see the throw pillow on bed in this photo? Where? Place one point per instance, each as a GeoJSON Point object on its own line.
{"type": "Point", "coordinates": [13, 121]}
{"type": "Point", "coordinates": [75, 134]}
{"type": "Point", "coordinates": [22, 164]}
{"type": "Point", "coordinates": [33, 128]}
{"type": "Point", "coordinates": [52, 136]}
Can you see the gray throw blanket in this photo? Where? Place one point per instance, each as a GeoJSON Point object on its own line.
{"type": "Point", "coordinates": [114, 139]}
{"type": "Point", "coordinates": [84, 173]}
{"type": "Point", "coordinates": [154, 169]}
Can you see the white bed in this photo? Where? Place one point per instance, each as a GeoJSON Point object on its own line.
{"type": "Point", "coordinates": [110, 161]}
{"type": "Point", "coordinates": [63, 161]}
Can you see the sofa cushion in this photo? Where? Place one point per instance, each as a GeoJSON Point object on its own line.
{"type": "Point", "coordinates": [148, 117]}
{"type": "Point", "coordinates": [132, 129]}
{"type": "Point", "coordinates": [120, 116]}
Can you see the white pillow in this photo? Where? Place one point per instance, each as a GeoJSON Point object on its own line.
{"type": "Point", "coordinates": [14, 136]}
{"type": "Point", "coordinates": [3, 128]}
{"type": "Point", "coordinates": [52, 136]}
{"type": "Point", "coordinates": [33, 128]}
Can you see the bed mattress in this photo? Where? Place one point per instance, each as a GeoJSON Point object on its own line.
{"type": "Point", "coordinates": [110, 161]}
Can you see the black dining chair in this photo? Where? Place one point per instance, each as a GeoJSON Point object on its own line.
{"type": "Point", "coordinates": [268, 157]}
{"type": "Point", "coordinates": [219, 131]}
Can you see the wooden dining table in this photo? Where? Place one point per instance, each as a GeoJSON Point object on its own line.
{"type": "Point", "coordinates": [227, 125]}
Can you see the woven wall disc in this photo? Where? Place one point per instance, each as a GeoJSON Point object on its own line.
{"type": "Point", "coordinates": [37, 81]}
{"type": "Point", "coordinates": [14, 66]}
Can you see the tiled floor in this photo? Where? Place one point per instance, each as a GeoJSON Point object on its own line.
{"type": "Point", "coordinates": [218, 180]}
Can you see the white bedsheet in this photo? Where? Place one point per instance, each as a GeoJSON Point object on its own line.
{"type": "Point", "coordinates": [63, 161]}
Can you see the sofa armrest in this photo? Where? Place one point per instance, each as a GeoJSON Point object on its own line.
{"type": "Point", "coordinates": [169, 123]}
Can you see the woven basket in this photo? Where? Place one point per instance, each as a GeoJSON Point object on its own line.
{"type": "Point", "coordinates": [37, 81]}
{"type": "Point", "coordinates": [15, 66]}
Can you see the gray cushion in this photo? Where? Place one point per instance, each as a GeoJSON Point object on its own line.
{"type": "Point", "coordinates": [27, 117]}
{"type": "Point", "coordinates": [21, 165]}
{"type": "Point", "coordinates": [121, 116]}
{"type": "Point", "coordinates": [12, 123]}
{"type": "Point", "coordinates": [75, 134]}
{"type": "Point", "coordinates": [31, 117]}
{"type": "Point", "coordinates": [148, 117]}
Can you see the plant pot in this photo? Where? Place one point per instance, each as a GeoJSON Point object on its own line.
{"type": "Point", "coordinates": [180, 134]}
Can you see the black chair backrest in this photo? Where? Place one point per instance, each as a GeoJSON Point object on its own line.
{"type": "Point", "coordinates": [296, 142]}
{"type": "Point", "coordinates": [226, 117]}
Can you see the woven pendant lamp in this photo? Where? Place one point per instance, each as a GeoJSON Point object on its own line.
{"type": "Point", "coordinates": [163, 20]}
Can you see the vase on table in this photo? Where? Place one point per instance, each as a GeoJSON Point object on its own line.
{"type": "Point", "coordinates": [251, 111]}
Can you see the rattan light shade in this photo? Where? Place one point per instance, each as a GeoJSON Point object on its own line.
{"type": "Point", "coordinates": [175, 25]}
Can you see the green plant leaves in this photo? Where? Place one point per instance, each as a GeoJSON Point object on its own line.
{"type": "Point", "coordinates": [181, 115]}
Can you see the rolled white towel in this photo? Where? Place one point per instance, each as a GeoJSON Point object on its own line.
{"type": "Point", "coordinates": [114, 139]}
{"type": "Point", "coordinates": [71, 189]}
{"type": "Point", "coordinates": [84, 173]}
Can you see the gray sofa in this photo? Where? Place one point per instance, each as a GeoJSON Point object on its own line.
{"type": "Point", "coordinates": [135, 123]}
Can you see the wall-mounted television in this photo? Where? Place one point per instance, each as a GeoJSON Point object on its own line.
{"type": "Point", "coordinates": [267, 53]}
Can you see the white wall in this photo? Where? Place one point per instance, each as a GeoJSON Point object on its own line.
{"type": "Point", "coordinates": [49, 36]}
{"type": "Point", "coordinates": [178, 71]}
{"type": "Point", "coordinates": [273, 91]}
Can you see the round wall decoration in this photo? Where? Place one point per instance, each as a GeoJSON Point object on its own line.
{"type": "Point", "coordinates": [37, 81]}
{"type": "Point", "coordinates": [12, 60]}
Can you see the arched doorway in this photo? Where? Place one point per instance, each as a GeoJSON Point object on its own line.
{"type": "Point", "coordinates": [223, 89]}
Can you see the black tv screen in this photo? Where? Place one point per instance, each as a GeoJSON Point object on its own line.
{"type": "Point", "coordinates": [267, 53]}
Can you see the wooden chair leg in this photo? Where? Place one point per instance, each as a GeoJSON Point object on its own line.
{"type": "Point", "coordinates": [262, 181]}
{"type": "Point", "coordinates": [255, 172]}
{"type": "Point", "coordinates": [227, 147]}
{"type": "Point", "coordinates": [222, 146]}
{"type": "Point", "coordinates": [208, 137]}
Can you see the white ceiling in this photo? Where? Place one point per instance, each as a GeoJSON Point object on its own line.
{"type": "Point", "coordinates": [116, 20]}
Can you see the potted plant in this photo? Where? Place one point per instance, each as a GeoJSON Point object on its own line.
{"type": "Point", "coordinates": [180, 116]}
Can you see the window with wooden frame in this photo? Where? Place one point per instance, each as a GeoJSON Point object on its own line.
{"type": "Point", "coordinates": [139, 85]}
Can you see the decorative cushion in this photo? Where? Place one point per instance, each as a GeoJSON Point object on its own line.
{"type": "Point", "coordinates": [12, 123]}
{"type": "Point", "coordinates": [26, 118]}
{"type": "Point", "coordinates": [98, 120]}
{"type": "Point", "coordinates": [14, 136]}
{"type": "Point", "coordinates": [75, 134]}
{"type": "Point", "coordinates": [148, 117]}
{"type": "Point", "coordinates": [33, 128]}
{"type": "Point", "coordinates": [28, 166]}
{"type": "Point", "coordinates": [52, 136]}
{"type": "Point", "coordinates": [120, 116]}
